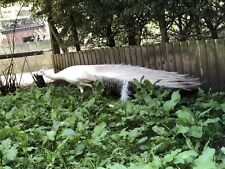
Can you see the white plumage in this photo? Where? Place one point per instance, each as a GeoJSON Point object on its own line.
{"type": "Point", "coordinates": [81, 75]}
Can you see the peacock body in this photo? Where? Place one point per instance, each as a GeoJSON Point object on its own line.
{"type": "Point", "coordinates": [81, 75]}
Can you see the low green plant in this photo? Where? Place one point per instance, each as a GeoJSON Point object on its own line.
{"type": "Point", "coordinates": [57, 127]}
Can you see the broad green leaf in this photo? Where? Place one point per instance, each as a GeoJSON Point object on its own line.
{"type": "Point", "coordinates": [142, 140]}
{"type": "Point", "coordinates": [170, 157]}
{"type": "Point", "coordinates": [6, 167]}
{"type": "Point", "coordinates": [99, 133]}
{"type": "Point", "coordinates": [11, 153]}
{"type": "Point", "coordinates": [223, 150]}
{"type": "Point", "coordinates": [223, 107]}
{"type": "Point", "coordinates": [209, 121]}
{"type": "Point", "coordinates": [175, 98]}
{"type": "Point", "coordinates": [185, 157]}
{"type": "Point", "coordinates": [206, 160]}
{"type": "Point", "coordinates": [195, 131]}
{"type": "Point", "coordinates": [185, 117]}
{"type": "Point", "coordinates": [117, 166]}
{"type": "Point", "coordinates": [169, 167]}
{"type": "Point", "coordinates": [68, 132]}
{"type": "Point", "coordinates": [51, 135]}
{"type": "Point", "coordinates": [79, 149]}
{"type": "Point", "coordinates": [159, 130]}
{"type": "Point", "coordinates": [181, 129]}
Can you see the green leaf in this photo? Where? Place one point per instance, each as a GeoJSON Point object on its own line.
{"type": "Point", "coordinates": [79, 149]}
{"type": "Point", "coordinates": [99, 133]}
{"type": "Point", "coordinates": [185, 157]}
{"type": "Point", "coordinates": [51, 135]}
{"type": "Point", "coordinates": [181, 129]}
{"type": "Point", "coordinates": [175, 98]}
{"type": "Point", "coordinates": [210, 121]}
{"type": "Point", "coordinates": [68, 132]}
{"type": "Point", "coordinates": [195, 131]}
{"type": "Point", "coordinates": [6, 167]}
{"type": "Point", "coordinates": [169, 157]}
{"type": "Point", "coordinates": [11, 153]}
{"type": "Point", "coordinates": [223, 150]}
{"type": "Point", "coordinates": [206, 160]}
{"type": "Point", "coordinates": [159, 130]}
{"type": "Point", "coordinates": [117, 166]}
{"type": "Point", "coordinates": [185, 117]}
{"type": "Point", "coordinates": [223, 107]}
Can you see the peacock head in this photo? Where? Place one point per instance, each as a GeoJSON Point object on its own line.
{"type": "Point", "coordinates": [42, 71]}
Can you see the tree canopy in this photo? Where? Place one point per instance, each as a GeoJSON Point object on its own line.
{"type": "Point", "coordinates": [121, 22]}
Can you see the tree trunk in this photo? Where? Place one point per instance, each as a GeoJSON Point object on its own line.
{"type": "Point", "coordinates": [212, 29]}
{"type": "Point", "coordinates": [131, 38]}
{"type": "Point", "coordinates": [163, 26]}
{"type": "Point", "coordinates": [110, 36]}
{"type": "Point", "coordinates": [75, 33]}
{"type": "Point", "coordinates": [54, 44]}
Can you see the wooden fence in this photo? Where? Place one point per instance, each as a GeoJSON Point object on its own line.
{"type": "Point", "coordinates": [203, 59]}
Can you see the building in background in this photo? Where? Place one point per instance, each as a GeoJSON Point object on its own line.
{"type": "Point", "coordinates": [16, 24]}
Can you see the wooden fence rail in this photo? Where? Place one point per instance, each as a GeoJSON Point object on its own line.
{"type": "Point", "coordinates": [203, 59]}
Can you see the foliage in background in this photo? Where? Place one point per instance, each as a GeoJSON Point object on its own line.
{"type": "Point", "coordinates": [114, 23]}
{"type": "Point", "coordinates": [57, 127]}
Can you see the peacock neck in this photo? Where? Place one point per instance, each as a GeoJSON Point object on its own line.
{"type": "Point", "coordinates": [53, 76]}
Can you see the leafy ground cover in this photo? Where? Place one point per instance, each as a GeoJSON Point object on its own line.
{"type": "Point", "coordinates": [57, 127]}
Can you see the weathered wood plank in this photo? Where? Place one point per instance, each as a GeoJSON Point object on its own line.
{"type": "Point", "coordinates": [220, 48]}
{"type": "Point", "coordinates": [102, 56]}
{"type": "Point", "coordinates": [139, 56]}
{"type": "Point", "coordinates": [185, 57]}
{"type": "Point", "coordinates": [107, 55]}
{"type": "Point", "coordinates": [164, 60]}
{"type": "Point", "coordinates": [194, 58]}
{"type": "Point", "coordinates": [97, 56]}
{"type": "Point", "coordinates": [111, 56]}
{"type": "Point", "coordinates": [178, 57]}
{"type": "Point", "coordinates": [81, 56]}
{"type": "Point", "coordinates": [85, 56]}
{"type": "Point", "coordinates": [170, 57]}
{"type": "Point", "coordinates": [152, 64]}
{"type": "Point", "coordinates": [145, 57]}
{"type": "Point", "coordinates": [133, 56]}
{"type": "Point", "coordinates": [89, 57]}
{"type": "Point", "coordinates": [127, 55]}
{"type": "Point", "coordinates": [116, 52]}
{"type": "Point", "coordinates": [76, 59]}
{"type": "Point", "coordinates": [122, 55]}
{"type": "Point", "coordinates": [93, 56]}
{"type": "Point", "coordinates": [158, 58]}
{"type": "Point", "coordinates": [212, 64]}
{"type": "Point", "coordinates": [203, 57]}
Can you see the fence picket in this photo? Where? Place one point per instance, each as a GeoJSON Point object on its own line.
{"type": "Point", "coordinates": [117, 57]}
{"type": "Point", "coordinates": [139, 56]}
{"type": "Point", "coordinates": [203, 57]}
{"type": "Point", "coordinates": [170, 57]}
{"type": "Point", "coordinates": [127, 55]}
{"type": "Point", "coordinates": [185, 57]}
{"type": "Point", "coordinates": [97, 56]}
{"type": "Point", "coordinates": [145, 58]}
{"type": "Point", "coordinates": [220, 48]}
{"type": "Point", "coordinates": [111, 56]}
{"type": "Point", "coordinates": [152, 63]}
{"type": "Point", "coordinates": [212, 64]}
{"type": "Point", "coordinates": [158, 59]}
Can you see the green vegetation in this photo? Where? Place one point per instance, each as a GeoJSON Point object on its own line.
{"type": "Point", "coordinates": [57, 127]}
{"type": "Point", "coordinates": [114, 23]}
